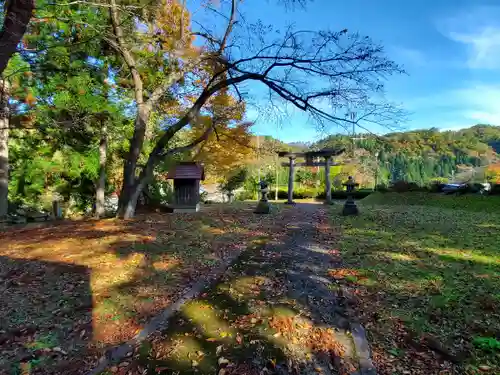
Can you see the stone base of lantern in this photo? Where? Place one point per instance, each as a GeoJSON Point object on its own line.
{"type": "Point", "coordinates": [263, 207]}
{"type": "Point", "coordinates": [185, 209]}
{"type": "Point", "coordinates": [350, 208]}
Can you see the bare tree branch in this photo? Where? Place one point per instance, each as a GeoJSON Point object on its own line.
{"type": "Point", "coordinates": [181, 31]}
{"type": "Point", "coordinates": [321, 73]}
{"type": "Point", "coordinates": [121, 48]}
{"type": "Point", "coordinates": [189, 146]}
{"type": "Point", "coordinates": [229, 27]}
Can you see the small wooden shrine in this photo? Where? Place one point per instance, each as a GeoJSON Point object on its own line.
{"type": "Point", "coordinates": [187, 177]}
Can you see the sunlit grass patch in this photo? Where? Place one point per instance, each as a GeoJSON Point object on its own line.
{"type": "Point", "coordinates": [205, 316]}
{"type": "Point", "coordinates": [400, 256]}
{"type": "Point", "coordinates": [246, 287]}
{"type": "Point", "coordinates": [165, 263]}
{"type": "Point", "coordinates": [433, 269]}
{"type": "Point", "coordinates": [468, 202]}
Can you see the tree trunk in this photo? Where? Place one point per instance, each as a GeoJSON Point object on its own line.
{"type": "Point", "coordinates": [4, 148]}
{"type": "Point", "coordinates": [17, 17]}
{"type": "Point", "coordinates": [101, 184]}
{"type": "Point", "coordinates": [291, 176]}
{"type": "Point", "coordinates": [132, 186]}
{"type": "Point", "coordinates": [126, 209]}
{"type": "Point", "coordinates": [328, 183]}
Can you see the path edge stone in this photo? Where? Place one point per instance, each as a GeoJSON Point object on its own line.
{"type": "Point", "coordinates": [159, 322]}
{"type": "Point", "coordinates": [362, 350]}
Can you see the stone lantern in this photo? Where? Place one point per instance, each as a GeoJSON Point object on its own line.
{"type": "Point", "coordinates": [263, 206]}
{"type": "Point", "coordinates": [350, 207]}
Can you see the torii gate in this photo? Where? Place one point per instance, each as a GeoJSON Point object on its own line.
{"type": "Point", "coordinates": [310, 157]}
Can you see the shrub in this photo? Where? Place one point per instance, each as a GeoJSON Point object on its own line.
{"type": "Point", "coordinates": [308, 193]}
{"type": "Point", "coordinates": [382, 188]}
{"type": "Point", "coordinates": [487, 344]}
{"type": "Point", "coordinates": [299, 193]}
{"type": "Point", "coordinates": [405, 186]}
{"type": "Point", "coordinates": [244, 195]}
{"type": "Point", "coordinates": [304, 176]}
{"type": "Point", "coordinates": [282, 194]}
{"type": "Point", "coordinates": [358, 194]}
{"type": "Point", "coordinates": [203, 196]}
{"type": "Point", "coordinates": [159, 192]}
{"type": "Point", "coordinates": [435, 187]}
{"type": "Point", "coordinates": [251, 185]}
{"type": "Point", "coordinates": [305, 193]}
{"type": "Point", "coordinates": [475, 188]}
{"type": "Point", "coordinates": [235, 181]}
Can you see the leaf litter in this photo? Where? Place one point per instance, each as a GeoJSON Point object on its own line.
{"type": "Point", "coordinates": [90, 284]}
{"type": "Point", "coordinates": [252, 321]}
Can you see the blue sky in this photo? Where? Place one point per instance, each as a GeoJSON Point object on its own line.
{"type": "Point", "coordinates": [450, 49]}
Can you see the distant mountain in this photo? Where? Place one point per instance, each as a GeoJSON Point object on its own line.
{"type": "Point", "coordinates": [302, 146]}
{"type": "Point", "coordinates": [269, 144]}
{"type": "Point", "coordinates": [422, 155]}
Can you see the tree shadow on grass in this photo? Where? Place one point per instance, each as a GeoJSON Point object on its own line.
{"type": "Point", "coordinates": [272, 310]}
{"type": "Point", "coordinates": [429, 279]}
{"type": "Point", "coordinates": [125, 291]}
{"type": "Point", "coordinates": [174, 260]}
{"type": "Point", "coordinates": [138, 267]}
{"type": "Point", "coordinates": [45, 315]}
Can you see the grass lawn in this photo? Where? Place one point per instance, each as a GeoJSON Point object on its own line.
{"type": "Point", "coordinates": [427, 275]}
{"type": "Point", "coordinates": [71, 289]}
{"type": "Point", "coordinates": [467, 202]}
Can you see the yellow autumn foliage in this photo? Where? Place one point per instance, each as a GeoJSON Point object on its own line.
{"type": "Point", "coordinates": [174, 23]}
{"type": "Point", "coordinates": [229, 144]}
{"type": "Point", "coordinates": [226, 149]}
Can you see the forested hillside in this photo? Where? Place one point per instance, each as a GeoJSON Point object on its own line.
{"type": "Point", "coordinates": [423, 155]}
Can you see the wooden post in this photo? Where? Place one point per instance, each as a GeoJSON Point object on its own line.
{"type": "Point", "coordinates": [276, 187]}
{"type": "Point", "coordinates": [291, 175]}
{"type": "Point", "coordinates": [328, 183]}
{"type": "Point", "coordinates": [56, 209]}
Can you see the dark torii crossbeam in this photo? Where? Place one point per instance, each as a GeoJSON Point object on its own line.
{"type": "Point", "coordinates": [311, 161]}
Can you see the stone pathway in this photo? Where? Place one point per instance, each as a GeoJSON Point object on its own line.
{"type": "Point", "coordinates": [304, 264]}
{"type": "Point", "coordinates": [275, 311]}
